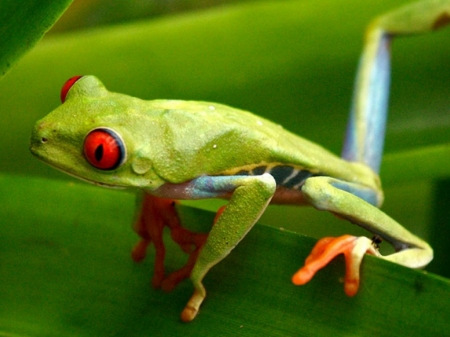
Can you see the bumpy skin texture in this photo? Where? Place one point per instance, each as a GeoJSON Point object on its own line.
{"type": "Point", "coordinates": [170, 141]}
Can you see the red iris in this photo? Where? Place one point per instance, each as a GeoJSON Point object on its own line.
{"type": "Point", "coordinates": [104, 149]}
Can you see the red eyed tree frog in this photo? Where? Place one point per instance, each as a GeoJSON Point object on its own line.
{"type": "Point", "coordinates": [193, 150]}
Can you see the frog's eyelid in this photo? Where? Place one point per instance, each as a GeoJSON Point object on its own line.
{"type": "Point", "coordinates": [66, 87]}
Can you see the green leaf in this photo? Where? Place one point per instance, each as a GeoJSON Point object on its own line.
{"type": "Point", "coordinates": [86, 14]}
{"type": "Point", "coordinates": [66, 271]}
{"type": "Point", "coordinates": [422, 163]}
{"type": "Point", "coordinates": [23, 25]}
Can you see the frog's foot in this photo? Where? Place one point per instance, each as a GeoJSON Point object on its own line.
{"type": "Point", "coordinates": [191, 309]}
{"type": "Point", "coordinates": [157, 213]}
{"type": "Point", "coordinates": [188, 241]}
{"type": "Point", "coordinates": [191, 243]}
{"type": "Point", "coordinates": [139, 251]}
{"type": "Point", "coordinates": [328, 248]}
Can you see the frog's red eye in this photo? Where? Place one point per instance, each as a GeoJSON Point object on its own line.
{"type": "Point", "coordinates": [66, 87]}
{"type": "Point", "coordinates": [104, 149]}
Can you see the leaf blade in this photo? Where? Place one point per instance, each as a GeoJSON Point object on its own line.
{"type": "Point", "coordinates": [74, 273]}
{"type": "Point", "coordinates": [24, 23]}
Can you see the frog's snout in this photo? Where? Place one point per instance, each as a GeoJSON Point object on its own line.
{"type": "Point", "coordinates": [39, 137]}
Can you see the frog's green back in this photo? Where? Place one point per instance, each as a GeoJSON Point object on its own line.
{"type": "Point", "coordinates": [216, 139]}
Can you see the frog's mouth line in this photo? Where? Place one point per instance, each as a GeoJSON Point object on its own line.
{"type": "Point", "coordinates": [92, 182]}
{"type": "Point", "coordinates": [115, 187]}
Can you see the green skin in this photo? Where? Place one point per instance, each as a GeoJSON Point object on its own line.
{"type": "Point", "coordinates": [164, 159]}
{"type": "Point", "coordinates": [159, 143]}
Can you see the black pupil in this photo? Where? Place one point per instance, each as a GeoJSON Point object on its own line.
{"type": "Point", "coordinates": [99, 152]}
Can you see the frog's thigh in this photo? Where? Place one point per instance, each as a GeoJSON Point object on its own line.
{"type": "Point", "coordinates": [341, 198]}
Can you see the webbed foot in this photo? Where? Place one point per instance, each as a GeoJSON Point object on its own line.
{"type": "Point", "coordinates": [327, 249]}
{"type": "Point", "coordinates": [157, 213]}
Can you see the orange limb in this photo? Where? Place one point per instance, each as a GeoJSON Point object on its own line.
{"type": "Point", "coordinates": [186, 240]}
{"type": "Point", "coordinates": [155, 214]}
{"type": "Point", "coordinates": [219, 213]}
{"type": "Point", "coordinates": [327, 249]}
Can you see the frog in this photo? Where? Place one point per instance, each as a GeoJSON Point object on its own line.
{"type": "Point", "coordinates": [189, 150]}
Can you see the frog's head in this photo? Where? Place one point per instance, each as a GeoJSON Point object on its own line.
{"type": "Point", "coordinates": [96, 135]}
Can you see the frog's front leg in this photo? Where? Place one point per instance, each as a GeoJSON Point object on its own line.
{"type": "Point", "coordinates": [249, 196]}
{"type": "Point", "coordinates": [348, 201]}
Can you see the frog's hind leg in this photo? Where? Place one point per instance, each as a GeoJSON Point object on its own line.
{"type": "Point", "coordinates": [364, 144]}
{"type": "Point", "coordinates": [366, 127]}
{"type": "Point", "coordinates": [347, 201]}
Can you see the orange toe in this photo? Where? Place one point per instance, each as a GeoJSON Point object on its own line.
{"type": "Point", "coordinates": [323, 252]}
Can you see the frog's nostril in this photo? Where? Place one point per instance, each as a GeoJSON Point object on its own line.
{"type": "Point", "coordinates": [44, 140]}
